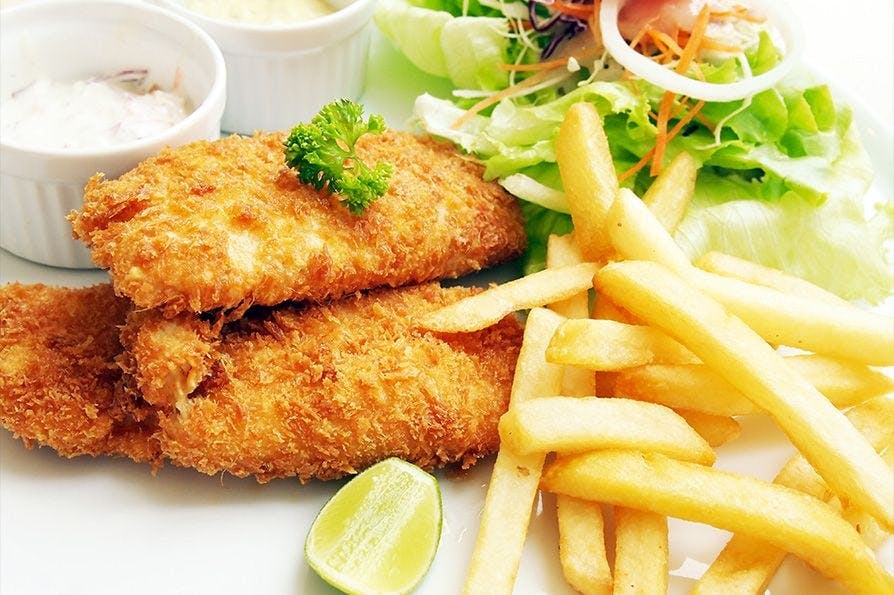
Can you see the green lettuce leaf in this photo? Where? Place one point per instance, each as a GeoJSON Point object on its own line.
{"type": "Point", "coordinates": [540, 223]}
{"type": "Point", "coordinates": [416, 32]}
{"type": "Point", "coordinates": [782, 172]}
{"type": "Point", "coordinates": [476, 46]}
{"type": "Point", "coordinates": [831, 245]}
{"type": "Point", "coordinates": [465, 49]}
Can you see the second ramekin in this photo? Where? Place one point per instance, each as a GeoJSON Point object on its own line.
{"type": "Point", "coordinates": [280, 75]}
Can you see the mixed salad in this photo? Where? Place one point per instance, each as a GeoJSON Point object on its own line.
{"type": "Point", "coordinates": [782, 171]}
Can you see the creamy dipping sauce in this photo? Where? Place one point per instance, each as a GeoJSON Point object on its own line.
{"type": "Point", "coordinates": [96, 113]}
{"type": "Point", "coordinates": [260, 12]}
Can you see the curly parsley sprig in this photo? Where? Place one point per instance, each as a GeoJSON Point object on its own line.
{"type": "Point", "coordinates": [323, 153]}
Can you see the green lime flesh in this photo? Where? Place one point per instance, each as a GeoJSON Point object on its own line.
{"type": "Point", "coordinates": [379, 533]}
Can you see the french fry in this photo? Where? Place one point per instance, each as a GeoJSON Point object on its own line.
{"type": "Point", "coordinates": [607, 345]}
{"type": "Point", "coordinates": [641, 551]}
{"type": "Point", "coordinates": [745, 270]}
{"type": "Point", "coordinates": [605, 384]}
{"type": "Point", "coordinates": [747, 563]}
{"type": "Point", "coordinates": [588, 175]}
{"type": "Point", "coordinates": [717, 430]}
{"type": "Point", "coordinates": [582, 545]}
{"type": "Point", "coordinates": [637, 235]}
{"type": "Point", "coordinates": [697, 387]}
{"type": "Point", "coordinates": [577, 424]}
{"type": "Point", "coordinates": [780, 318]}
{"type": "Point", "coordinates": [670, 194]}
{"type": "Point", "coordinates": [513, 485]}
{"type": "Point", "coordinates": [868, 528]}
{"type": "Point", "coordinates": [578, 382]}
{"type": "Point", "coordinates": [490, 306]}
{"type": "Point", "coordinates": [581, 526]}
{"type": "Point", "coordinates": [562, 251]}
{"type": "Point", "coordinates": [789, 519]}
{"type": "Point", "coordinates": [604, 309]}
{"type": "Point", "coordinates": [844, 382]}
{"type": "Point", "coordinates": [819, 431]}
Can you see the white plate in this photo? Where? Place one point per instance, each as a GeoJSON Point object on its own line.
{"type": "Point", "coordinates": [107, 526]}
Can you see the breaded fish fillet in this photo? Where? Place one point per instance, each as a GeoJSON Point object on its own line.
{"type": "Point", "coordinates": [165, 359]}
{"type": "Point", "coordinates": [225, 224]}
{"type": "Point", "coordinates": [309, 391]}
{"type": "Point", "coordinates": [58, 377]}
{"type": "Point", "coordinates": [326, 390]}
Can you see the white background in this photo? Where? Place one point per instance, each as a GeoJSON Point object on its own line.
{"type": "Point", "coordinates": [107, 526]}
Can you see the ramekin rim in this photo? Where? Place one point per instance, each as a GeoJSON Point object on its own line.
{"type": "Point", "coordinates": [349, 13]}
{"type": "Point", "coordinates": [214, 99]}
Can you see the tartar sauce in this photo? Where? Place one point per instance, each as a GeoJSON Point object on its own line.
{"type": "Point", "coordinates": [260, 12]}
{"type": "Point", "coordinates": [91, 114]}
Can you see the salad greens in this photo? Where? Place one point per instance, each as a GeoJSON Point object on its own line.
{"type": "Point", "coordinates": [783, 173]}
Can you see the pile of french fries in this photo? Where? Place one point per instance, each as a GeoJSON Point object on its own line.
{"type": "Point", "coordinates": [620, 401]}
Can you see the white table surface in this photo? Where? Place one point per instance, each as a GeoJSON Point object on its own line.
{"type": "Point", "coordinates": [852, 44]}
{"type": "Point", "coordinates": [848, 43]}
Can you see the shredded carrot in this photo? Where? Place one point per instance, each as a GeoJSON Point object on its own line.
{"type": "Point", "coordinates": [633, 170]}
{"type": "Point", "coordinates": [580, 11]}
{"type": "Point", "coordinates": [685, 120]}
{"type": "Point", "coordinates": [699, 117]}
{"type": "Point", "coordinates": [639, 36]}
{"type": "Point", "coordinates": [658, 42]}
{"type": "Point", "coordinates": [683, 47]}
{"type": "Point", "coordinates": [681, 107]}
{"type": "Point", "coordinates": [687, 56]}
{"type": "Point", "coordinates": [669, 43]}
{"type": "Point", "coordinates": [516, 23]}
{"type": "Point", "coordinates": [548, 65]}
{"type": "Point", "coordinates": [667, 101]}
{"type": "Point", "coordinates": [631, 82]}
{"type": "Point", "coordinates": [678, 127]}
{"type": "Point", "coordinates": [695, 39]}
{"type": "Point", "coordinates": [534, 79]}
{"type": "Point", "coordinates": [705, 122]}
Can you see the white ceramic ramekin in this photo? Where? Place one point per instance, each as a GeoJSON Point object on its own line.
{"type": "Point", "coordinates": [70, 40]}
{"type": "Point", "coordinates": [280, 75]}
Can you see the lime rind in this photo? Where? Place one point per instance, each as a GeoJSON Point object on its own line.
{"type": "Point", "coordinates": [379, 532]}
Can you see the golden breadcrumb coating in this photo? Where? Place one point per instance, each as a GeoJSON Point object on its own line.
{"type": "Point", "coordinates": [315, 391]}
{"type": "Point", "coordinates": [225, 224]}
{"type": "Point", "coordinates": [166, 359]}
{"type": "Point", "coordinates": [326, 390]}
{"type": "Point", "coordinates": [58, 377]}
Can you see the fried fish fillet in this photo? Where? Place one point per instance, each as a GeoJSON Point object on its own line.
{"type": "Point", "coordinates": [164, 358]}
{"type": "Point", "coordinates": [58, 377]}
{"type": "Point", "coordinates": [225, 224]}
{"type": "Point", "coordinates": [326, 390]}
{"type": "Point", "coordinates": [314, 391]}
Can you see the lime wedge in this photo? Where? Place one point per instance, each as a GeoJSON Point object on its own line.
{"type": "Point", "coordinates": [379, 533]}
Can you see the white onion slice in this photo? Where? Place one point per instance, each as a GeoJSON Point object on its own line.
{"type": "Point", "coordinates": [531, 190]}
{"type": "Point", "coordinates": [669, 80]}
